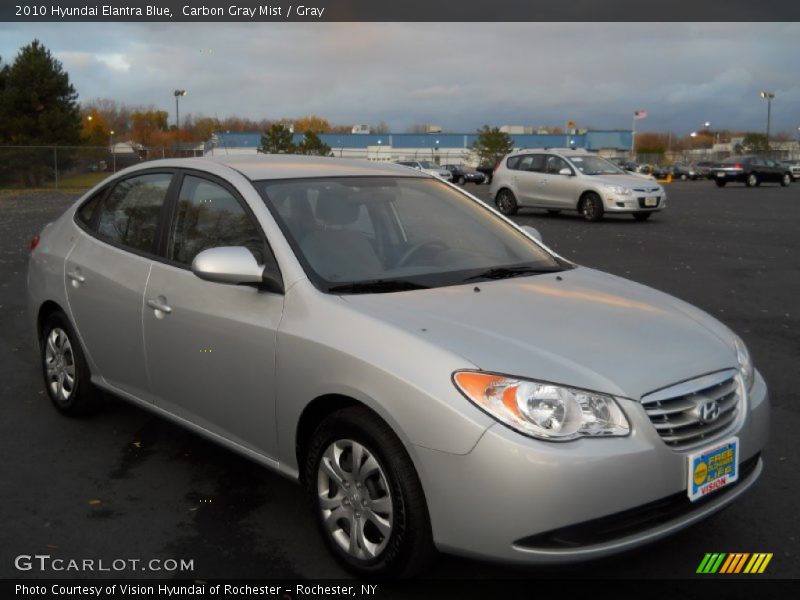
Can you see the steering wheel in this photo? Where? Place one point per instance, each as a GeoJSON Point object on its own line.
{"type": "Point", "coordinates": [417, 248]}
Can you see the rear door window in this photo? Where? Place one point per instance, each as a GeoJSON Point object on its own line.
{"type": "Point", "coordinates": [129, 215]}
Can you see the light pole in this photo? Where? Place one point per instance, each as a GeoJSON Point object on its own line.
{"type": "Point", "coordinates": [379, 150]}
{"type": "Point", "coordinates": [178, 94]}
{"type": "Point", "coordinates": [435, 156]}
{"type": "Point", "coordinates": [768, 96]}
{"type": "Point", "coordinates": [113, 154]}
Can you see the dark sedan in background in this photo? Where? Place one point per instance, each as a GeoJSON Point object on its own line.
{"type": "Point", "coordinates": [751, 170]}
{"type": "Point", "coordinates": [463, 174]}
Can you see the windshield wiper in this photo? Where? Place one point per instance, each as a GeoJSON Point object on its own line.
{"type": "Point", "coordinates": [508, 272]}
{"type": "Point", "coordinates": [377, 286]}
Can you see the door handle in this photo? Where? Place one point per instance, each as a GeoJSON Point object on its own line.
{"type": "Point", "coordinates": [76, 276]}
{"type": "Point", "coordinates": [160, 303]}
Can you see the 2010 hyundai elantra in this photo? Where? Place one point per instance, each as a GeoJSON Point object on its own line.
{"type": "Point", "coordinates": [434, 375]}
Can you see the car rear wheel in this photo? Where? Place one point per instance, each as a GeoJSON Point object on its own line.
{"type": "Point", "coordinates": [642, 216]}
{"type": "Point", "coordinates": [720, 182]}
{"type": "Point", "coordinates": [786, 180]}
{"type": "Point", "coordinates": [752, 180]}
{"type": "Point", "coordinates": [66, 375]}
{"type": "Point", "coordinates": [684, 177]}
{"type": "Point", "coordinates": [367, 497]}
{"type": "Point", "coordinates": [591, 207]}
{"type": "Point", "coordinates": [506, 202]}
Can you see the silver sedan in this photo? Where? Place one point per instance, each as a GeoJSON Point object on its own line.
{"type": "Point", "coordinates": [434, 375]}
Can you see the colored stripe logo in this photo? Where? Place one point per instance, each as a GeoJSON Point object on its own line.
{"type": "Point", "coordinates": [734, 563]}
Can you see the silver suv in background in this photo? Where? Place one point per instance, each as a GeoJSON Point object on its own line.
{"type": "Point", "coordinates": [567, 179]}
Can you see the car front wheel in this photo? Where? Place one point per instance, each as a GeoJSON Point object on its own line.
{"type": "Point", "coordinates": [786, 180]}
{"type": "Point", "coordinates": [752, 180]}
{"type": "Point", "coordinates": [66, 374]}
{"type": "Point", "coordinates": [592, 207]}
{"type": "Point", "coordinates": [367, 496]}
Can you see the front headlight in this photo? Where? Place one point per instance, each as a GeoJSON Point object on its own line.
{"type": "Point", "coordinates": [543, 410]}
{"type": "Point", "coordinates": [618, 190]}
{"type": "Point", "coordinates": [746, 367]}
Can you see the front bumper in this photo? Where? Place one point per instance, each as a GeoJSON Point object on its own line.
{"type": "Point", "coordinates": [504, 499]}
{"type": "Point", "coordinates": [636, 202]}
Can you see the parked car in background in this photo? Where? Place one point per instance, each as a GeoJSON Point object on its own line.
{"type": "Point", "coordinates": [703, 168]}
{"type": "Point", "coordinates": [464, 174]}
{"type": "Point", "coordinates": [625, 163]}
{"type": "Point", "coordinates": [487, 170]}
{"type": "Point", "coordinates": [794, 168]}
{"type": "Point", "coordinates": [568, 179]}
{"type": "Point", "coordinates": [430, 373]}
{"type": "Point", "coordinates": [427, 166]}
{"type": "Point", "coordinates": [682, 171]}
{"type": "Point", "coordinates": [752, 170]}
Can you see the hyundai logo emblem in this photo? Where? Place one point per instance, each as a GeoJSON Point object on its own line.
{"type": "Point", "coordinates": [709, 411]}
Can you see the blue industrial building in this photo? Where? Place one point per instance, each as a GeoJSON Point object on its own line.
{"type": "Point", "coordinates": [439, 144]}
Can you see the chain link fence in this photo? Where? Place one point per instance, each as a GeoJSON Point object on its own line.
{"type": "Point", "coordinates": [70, 167]}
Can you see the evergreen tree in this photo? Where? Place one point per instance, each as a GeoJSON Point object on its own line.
{"type": "Point", "coordinates": [311, 144]}
{"type": "Point", "coordinates": [38, 104]}
{"type": "Point", "coordinates": [277, 140]}
{"type": "Point", "coordinates": [492, 145]}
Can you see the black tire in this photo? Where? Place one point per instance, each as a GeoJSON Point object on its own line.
{"type": "Point", "coordinates": [751, 180]}
{"type": "Point", "coordinates": [553, 211]}
{"type": "Point", "coordinates": [642, 216]}
{"type": "Point", "coordinates": [461, 181]}
{"type": "Point", "coordinates": [591, 207]}
{"type": "Point", "coordinates": [506, 202]}
{"type": "Point", "coordinates": [409, 549]}
{"type": "Point", "coordinates": [684, 177]}
{"type": "Point", "coordinates": [720, 182]}
{"type": "Point", "coordinates": [82, 397]}
{"type": "Point", "coordinates": [786, 180]}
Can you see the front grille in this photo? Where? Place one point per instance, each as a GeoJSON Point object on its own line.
{"type": "Point", "coordinates": [646, 190]}
{"type": "Point", "coordinates": [632, 521]}
{"type": "Point", "coordinates": [696, 410]}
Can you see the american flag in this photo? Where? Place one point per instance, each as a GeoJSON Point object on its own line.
{"type": "Point", "coordinates": [639, 114]}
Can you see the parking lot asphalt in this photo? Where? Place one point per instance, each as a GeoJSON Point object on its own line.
{"type": "Point", "coordinates": [127, 484]}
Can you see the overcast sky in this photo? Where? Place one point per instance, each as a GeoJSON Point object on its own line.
{"type": "Point", "coordinates": [458, 75]}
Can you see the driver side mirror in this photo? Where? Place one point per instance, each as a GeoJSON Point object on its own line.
{"type": "Point", "coordinates": [534, 233]}
{"type": "Point", "coordinates": [236, 265]}
{"type": "Point", "coordinates": [566, 171]}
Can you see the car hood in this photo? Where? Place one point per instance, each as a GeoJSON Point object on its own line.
{"type": "Point", "coordinates": [631, 181]}
{"type": "Point", "coordinates": [581, 327]}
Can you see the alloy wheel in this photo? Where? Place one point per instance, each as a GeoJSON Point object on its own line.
{"type": "Point", "coordinates": [354, 499]}
{"type": "Point", "coordinates": [59, 362]}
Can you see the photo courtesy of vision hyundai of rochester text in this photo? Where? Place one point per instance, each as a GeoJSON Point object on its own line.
{"type": "Point", "coordinates": [432, 374]}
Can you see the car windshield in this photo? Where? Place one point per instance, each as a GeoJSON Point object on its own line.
{"type": "Point", "coordinates": [594, 165]}
{"type": "Point", "coordinates": [426, 164]}
{"type": "Point", "coordinates": [385, 234]}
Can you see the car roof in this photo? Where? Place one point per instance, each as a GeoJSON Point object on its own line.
{"type": "Point", "coordinates": [291, 166]}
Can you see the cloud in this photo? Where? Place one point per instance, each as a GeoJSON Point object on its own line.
{"type": "Point", "coordinates": [458, 75]}
{"type": "Point", "coordinates": [437, 91]}
{"type": "Point", "coordinates": [117, 62]}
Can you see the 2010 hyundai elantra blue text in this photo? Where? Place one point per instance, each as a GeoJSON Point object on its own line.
{"type": "Point", "coordinates": [434, 375]}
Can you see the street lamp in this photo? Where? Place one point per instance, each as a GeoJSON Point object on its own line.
{"type": "Point", "coordinates": [178, 94]}
{"type": "Point", "coordinates": [111, 147]}
{"type": "Point", "coordinates": [768, 96]}
{"type": "Point", "coordinates": [379, 150]}
{"type": "Point", "coordinates": [437, 152]}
